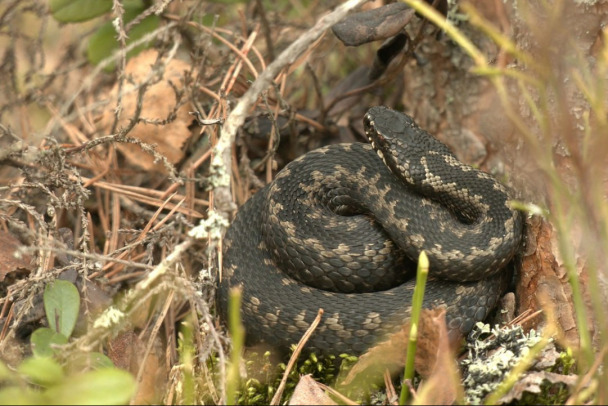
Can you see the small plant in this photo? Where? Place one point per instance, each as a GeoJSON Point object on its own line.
{"type": "Point", "coordinates": [134, 22]}
{"type": "Point", "coordinates": [41, 379]}
{"type": "Point", "coordinates": [61, 305]}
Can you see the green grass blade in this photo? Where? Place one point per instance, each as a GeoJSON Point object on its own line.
{"type": "Point", "coordinates": [421, 277]}
{"type": "Point", "coordinates": [237, 333]}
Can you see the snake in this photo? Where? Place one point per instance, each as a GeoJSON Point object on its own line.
{"type": "Point", "coordinates": [341, 228]}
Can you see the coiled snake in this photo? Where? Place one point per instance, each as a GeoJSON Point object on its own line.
{"type": "Point", "coordinates": [350, 218]}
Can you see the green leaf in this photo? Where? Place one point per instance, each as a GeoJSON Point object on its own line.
{"type": "Point", "coordinates": [17, 395]}
{"type": "Point", "coordinates": [102, 387]}
{"type": "Point", "coordinates": [103, 43]}
{"type": "Point", "coordinates": [72, 11]}
{"type": "Point", "coordinates": [87, 361]}
{"type": "Point", "coordinates": [61, 304]}
{"type": "Point", "coordinates": [42, 339]}
{"type": "Point", "coordinates": [43, 371]}
{"type": "Point", "coordinates": [98, 360]}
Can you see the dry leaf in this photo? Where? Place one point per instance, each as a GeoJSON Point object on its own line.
{"type": "Point", "coordinates": [127, 352]}
{"type": "Point", "coordinates": [120, 349]}
{"type": "Point", "coordinates": [391, 354]}
{"type": "Point", "coordinates": [433, 342]}
{"type": "Point", "coordinates": [8, 262]}
{"type": "Point", "coordinates": [443, 385]}
{"type": "Point", "coordinates": [158, 102]}
{"type": "Point", "coordinates": [372, 25]}
{"type": "Point", "coordinates": [308, 392]}
{"type": "Point", "coordinates": [531, 382]}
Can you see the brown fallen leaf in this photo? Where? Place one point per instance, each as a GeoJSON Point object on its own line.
{"type": "Point", "coordinates": [120, 349]}
{"type": "Point", "coordinates": [442, 387]}
{"type": "Point", "coordinates": [308, 392]}
{"type": "Point", "coordinates": [391, 353]}
{"type": "Point", "coordinates": [9, 245]}
{"type": "Point", "coordinates": [127, 352]}
{"type": "Point", "coordinates": [372, 25]}
{"type": "Point", "coordinates": [531, 382]}
{"type": "Point", "coordinates": [159, 101]}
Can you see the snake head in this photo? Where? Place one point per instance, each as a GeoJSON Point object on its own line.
{"type": "Point", "coordinates": [400, 143]}
{"type": "Point", "coordinates": [390, 135]}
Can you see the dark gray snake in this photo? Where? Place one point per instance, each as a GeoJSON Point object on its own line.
{"type": "Point", "coordinates": [351, 218]}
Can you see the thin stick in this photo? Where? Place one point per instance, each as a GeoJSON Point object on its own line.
{"type": "Point", "coordinates": [296, 353]}
{"type": "Point", "coordinates": [222, 161]}
{"type": "Point", "coordinates": [337, 394]}
{"type": "Point", "coordinates": [152, 338]}
{"type": "Point", "coordinates": [576, 397]}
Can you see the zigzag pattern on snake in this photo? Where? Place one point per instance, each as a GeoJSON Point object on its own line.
{"type": "Point", "coordinates": [339, 227]}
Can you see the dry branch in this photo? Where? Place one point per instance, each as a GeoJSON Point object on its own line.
{"type": "Point", "coordinates": [222, 160]}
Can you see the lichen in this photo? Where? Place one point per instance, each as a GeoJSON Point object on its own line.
{"type": "Point", "coordinates": [111, 316]}
{"type": "Point", "coordinates": [212, 227]}
{"type": "Point", "coordinates": [489, 361]}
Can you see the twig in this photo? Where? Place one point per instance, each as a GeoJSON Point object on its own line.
{"type": "Point", "coordinates": [337, 394]}
{"type": "Point", "coordinates": [296, 353]}
{"type": "Point", "coordinates": [79, 254]}
{"type": "Point", "coordinates": [265, 28]}
{"type": "Point", "coordinates": [583, 382]}
{"type": "Point", "coordinates": [222, 161]}
{"type": "Point", "coordinates": [152, 338]}
{"type": "Point", "coordinates": [391, 393]}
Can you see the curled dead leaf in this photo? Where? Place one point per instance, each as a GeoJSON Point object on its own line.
{"type": "Point", "coordinates": [308, 392]}
{"type": "Point", "coordinates": [442, 384]}
{"type": "Point", "coordinates": [9, 262]}
{"type": "Point", "coordinates": [160, 101]}
{"type": "Point", "coordinates": [375, 24]}
{"type": "Point", "coordinates": [128, 352]}
{"type": "Point", "coordinates": [433, 343]}
{"type": "Point", "coordinates": [531, 382]}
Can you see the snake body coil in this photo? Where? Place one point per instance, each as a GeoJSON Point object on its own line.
{"type": "Point", "coordinates": [339, 226]}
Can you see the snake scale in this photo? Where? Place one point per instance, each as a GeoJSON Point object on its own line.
{"type": "Point", "coordinates": [339, 227]}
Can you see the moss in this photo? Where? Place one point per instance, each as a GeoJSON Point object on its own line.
{"type": "Point", "coordinates": [550, 394]}
{"type": "Point", "coordinates": [265, 377]}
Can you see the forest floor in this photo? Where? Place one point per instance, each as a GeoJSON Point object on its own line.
{"type": "Point", "coordinates": [120, 123]}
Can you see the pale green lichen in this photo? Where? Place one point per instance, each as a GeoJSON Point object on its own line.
{"type": "Point", "coordinates": [111, 316]}
{"type": "Point", "coordinates": [489, 361]}
{"type": "Point", "coordinates": [211, 227]}
{"type": "Point", "coordinates": [454, 16]}
{"type": "Point", "coordinates": [218, 176]}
